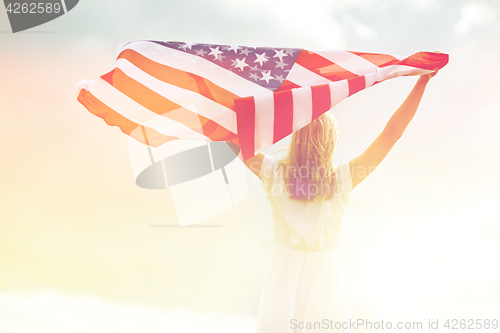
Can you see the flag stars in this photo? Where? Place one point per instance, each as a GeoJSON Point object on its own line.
{"type": "Point", "coordinates": [279, 78]}
{"type": "Point", "coordinates": [266, 76]}
{"type": "Point", "coordinates": [241, 64]}
{"type": "Point", "coordinates": [216, 53]}
{"type": "Point", "coordinates": [247, 62]}
{"type": "Point", "coordinates": [220, 57]}
{"type": "Point", "coordinates": [280, 54]}
{"type": "Point", "coordinates": [261, 58]}
{"type": "Point", "coordinates": [187, 45]}
{"type": "Point", "coordinates": [200, 52]}
{"type": "Point", "coordinates": [281, 64]}
{"type": "Point", "coordinates": [234, 48]}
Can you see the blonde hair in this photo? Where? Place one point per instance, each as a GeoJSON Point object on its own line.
{"type": "Point", "coordinates": [311, 148]}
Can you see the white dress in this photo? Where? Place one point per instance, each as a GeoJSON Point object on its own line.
{"type": "Point", "coordinates": [306, 288]}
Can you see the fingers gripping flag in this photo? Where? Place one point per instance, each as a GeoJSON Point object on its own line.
{"type": "Point", "coordinates": [252, 96]}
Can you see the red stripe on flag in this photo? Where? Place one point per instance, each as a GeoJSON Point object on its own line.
{"type": "Point", "coordinates": [426, 60]}
{"type": "Point", "coordinates": [113, 118]}
{"type": "Point", "coordinates": [356, 84]}
{"type": "Point", "coordinates": [287, 85]}
{"type": "Point", "coordinates": [166, 108]}
{"type": "Point", "coordinates": [380, 60]}
{"type": "Point", "coordinates": [180, 78]}
{"type": "Point", "coordinates": [321, 100]}
{"type": "Point", "coordinates": [283, 115]}
{"type": "Point", "coordinates": [245, 114]}
{"type": "Point", "coordinates": [323, 67]}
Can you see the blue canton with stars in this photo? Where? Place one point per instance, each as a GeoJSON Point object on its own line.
{"type": "Point", "coordinates": [265, 66]}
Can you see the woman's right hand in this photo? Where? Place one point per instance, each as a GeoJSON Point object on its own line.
{"type": "Point", "coordinates": [427, 77]}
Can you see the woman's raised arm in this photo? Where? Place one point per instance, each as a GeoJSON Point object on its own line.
{"type": "Point", "coordinates": [365, 163]}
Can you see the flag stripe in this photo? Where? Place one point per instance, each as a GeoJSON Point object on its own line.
{"type": "Point", "coordinates": [245, 108]}
{"type": "Point", "coordinates": [283, 115]}
{"type": "Point", "coordinates": [180, 78]}
{"type": "Point", "coordinates": [164, 107]}
{"type": "Point", "coordinates": [287, 85]}
{"type": "Point", "coordinates": [370, 79]}
{"type": "Point", "coordinates": [379, 60]}
{"type": "Point", "coordinates": [302, 107]}
{"type": "Point", "coordinates": [182, 97]}
{"type": "Point", "coordinates": [113, 118]}
{"type": "Point", "coordinates": [349, 61]}
{"type": "Point", "coordinates": [302, 76]}
{"type": "Point", "coordinates": [264, 121]}
{"type": "Point", "coordinates": [338, 91]}
{"type": "Point", "coordinates": [426, 60]}
{"type": "Point", "coordinates": [135, 112]}
{"type": "Point", "coordinates": [323, 67]}
{"type": "Point", "coordinates": [356, 84]}
{"type": "Point", "coordinates": [321, 100]}
{"type": "Point", "coordinates": [401, 70]}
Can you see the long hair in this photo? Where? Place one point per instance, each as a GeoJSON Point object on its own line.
{"type": "Point", "coordinates": [308, 169]}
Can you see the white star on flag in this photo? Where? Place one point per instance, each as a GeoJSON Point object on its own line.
{"type": "Point", "coordinates": [200, 53]}
{"type": "Point", "coordinates": [187, 45]}
{"type": "Point", "coordinates": [279, 78]}
{"type": "Point", "coordinates": [261, 58]}
{"type": "Point", "coordinates": [234, 48]}
{"type": "Point", "coordinates": [280, 64]}
{"type": "Point", "coordinates": [241, 64]}
{"type": "Point", "coordinates": [215, 52]}
{"type": "Point", "coordinates": [266, 76]}
{"type": "Point", "coordinates": [280, 54]}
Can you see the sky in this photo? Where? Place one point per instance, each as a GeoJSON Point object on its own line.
{"type": "Point", "coordinates": [83, 249]}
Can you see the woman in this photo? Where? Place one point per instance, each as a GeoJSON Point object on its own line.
{"type": "Point", "coordinates": [306, 289]}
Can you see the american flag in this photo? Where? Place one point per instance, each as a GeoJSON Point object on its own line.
{"type": "Point", "coordinates": [253, 96]}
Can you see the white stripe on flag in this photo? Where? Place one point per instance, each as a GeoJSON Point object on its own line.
{"type": "Point", "coordinates": [400, 70]}
{"type": "Point", "coordinates": [198, 66]}
{"type": "Point", "coordinates": [264, 121]}
{"type": "Point", "coordinates": [303, 77]}
{"type": "Point", "coordinates": [351, 62]}
{"type": "Point", "coordinates": [183, 97]}
{"type": "Point", "coordinates": [370, 79]}
{"type": "Point", "coordinates": [135, 112]}
{"type": "Point", "coordinates": [302, 107]}
{"type": "Point", "coordinates": [338, 91]}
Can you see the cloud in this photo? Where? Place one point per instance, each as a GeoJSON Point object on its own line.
{"type": "Point", "coordinates": [474, 14]}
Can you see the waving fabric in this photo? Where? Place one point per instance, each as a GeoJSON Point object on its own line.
{"type": "Point", "coordinates": [253, 96]}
